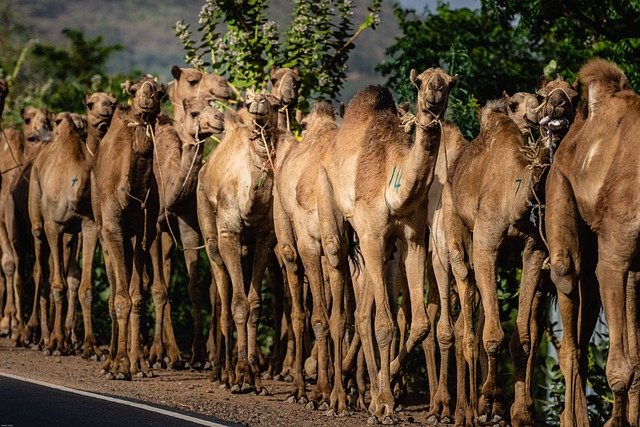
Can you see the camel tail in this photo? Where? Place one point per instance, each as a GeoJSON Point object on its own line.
{"type": "Point", "coordinates": [354, 253]}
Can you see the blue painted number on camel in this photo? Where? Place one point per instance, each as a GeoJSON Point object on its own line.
{"type": "Point", "coordinates": [519, 181]}
{"type": "Point", "coordinates": [396, 182]}
{"type": "Point", "coordinates": [73, 181]}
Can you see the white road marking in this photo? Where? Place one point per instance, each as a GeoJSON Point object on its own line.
{"type": "Point", "coordinates": [116, 400]}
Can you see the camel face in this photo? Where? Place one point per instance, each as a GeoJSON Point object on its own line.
{"type": "Point", "coordinates": [434, 86]}
{"type": "Point", "coordinates": [285, 83]}
{"type": "Point", "coordinates": [522, 108]}
{"type": "Point", "coordinates": [191, 82]}
{"type": "Point", "coordinates": [146, 95]}
{"type": "Point", "coordinates": [100, 109]}
{"type": "Point", "coordinates": [80, 123]}
{"type": "Point", "coordinates": [263, 109]}
{"type": "Point", "coordinates": [37, 125]}
{"type": "Point", "coordinates": [65, 125]}
{"type": "Point", "coordinates": [558, 104]}
{"type": "Point", "coordinates": [201, 119]}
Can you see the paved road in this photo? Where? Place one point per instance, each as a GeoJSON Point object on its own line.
{"type": "Point", "coordinates": [25, 403]}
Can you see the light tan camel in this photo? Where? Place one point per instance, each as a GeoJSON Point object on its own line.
{"type": "Point", "coordinates": [297, 229]}
{"type": "Point", "coordinates": [373, 176]}
{"type": "Point", "coordinates": [592, 194]}
{"type": "Point", "coordinates": [125, 204]}
{"type": "Point", "coordinates": [190, 82]}
{"type": "Point", "coordinates": [235, 208]}
{"type": "Point", "coordinates": [285, 83]}
{"type": "Point", "coordinates": [60, 202]}
{"type": "Point", "coordinates": [178, 160]}
{"type": "Point", "coordinates": [492, 204]}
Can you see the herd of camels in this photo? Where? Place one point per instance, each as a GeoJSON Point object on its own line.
{"type": "Point", "coordinates": [360, 211]}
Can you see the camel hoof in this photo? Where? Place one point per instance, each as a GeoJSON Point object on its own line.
{"type": "Point", "coordinates": [157, 365]}
{"type": "Point", "coordinates": [288, 378]}
{"type": "Point", "coordinates": [433, 420]}
{"type": "Point", "coordinates": [94, 358]}
{"type": "Point", "coordinates": [331, 413]}
{"type": "Point", "coordinates": [150, 374]}
{"type": "Point", "coordinates": [388, 421]}
{"type": "Point", "coordinates": [247, 388]}
{"type": "Point", "coordinates": [120, 376]}
{"type": "Point", "coordinates": [197, 365]}
{"type": "Point", "coordinates": [311, 406]}
{"type": "Point", "coordinates": [399, 407]}
{"type": "Point", "coordinates": [263, 392]}
{"type": "Point", "coordinates": [323, 406]}
{"type": "Point", "coordinates": [222, 386]}
{"type": "Point", "coordinates": [207, 366]}
{"type": "Point", "coordinates": [303, 400]}
{"type": "Point", "coordinates": [372, 420]}
{"type": "Point", "coordinates": [140, 374]}
{"type": "Point", "coordinates": [496, 419]}
{"type": "Point", "coordinates": [266, 376]}
{"type": "Point", "coordinates": [277, 377]}
{"type": "Point", "coordinates": [103, 357]}
{"type": "Point", "coordinates": [109, 376]}
{"type": "Point", "coordinates": [235, 388]}
{"type": "Point", "coordinates": [482, 418]}
{"type": "Point", "coordinates": [344, 413]}
{"type": "Point", "coordinates": [291, 399]}
{"type": "Point", "coordinates": [46, 352]}
{"type": "Point", "coordinates": [445, 420]}
{"type": "Point", "coordinates": [56, 353]}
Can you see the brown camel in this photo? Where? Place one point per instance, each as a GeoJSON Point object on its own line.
{"type": "Point", "coordinates": [373, 176]}
{"type": "Point", "coordinates": [125, 204]}
{"type": "Point", "coordinates": [297, 229]}
{"type": "Point", "coordinates": [235, 209]}
{"type": "Point", "coordinates": [592, 196]}
{"type": "Point", "coordinates": [285, 83]}
{"type": "Point", "coordinates": [37, 134]}
{"type": "Point", "coordinates": [190, 82]}
{"type": "Point", "coordinates": [178, 159]}
{"type": "Point", "coordinates": [491, 206]}
{"type": "Point", "coordinates": [60, 202]}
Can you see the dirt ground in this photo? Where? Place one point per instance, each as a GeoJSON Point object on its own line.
{"type": "Point", "coordinates": [188, 390]}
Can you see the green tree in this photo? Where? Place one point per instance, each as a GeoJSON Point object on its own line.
{"type": "Point", "coordinates": [239, 42]}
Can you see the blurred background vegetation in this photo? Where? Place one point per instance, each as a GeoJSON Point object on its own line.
{"type": "Point", "coordinates": [53, 51]}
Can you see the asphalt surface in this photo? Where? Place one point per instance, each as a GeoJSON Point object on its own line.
{"type": "Point", "coordinates": [25, 404]}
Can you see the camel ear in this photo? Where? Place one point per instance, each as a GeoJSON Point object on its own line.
{"type": "Point", "coordinates": [272, 73]}
{"type": "Point", "coordinates": [128, 88]}
{"type": "Point", "coordinates": [22, 112]}
{"type": "Point", "coordinates": [296, 70]}
{"type": "Point", "coordinates": [176, 71]}
{"type": "Point", "coordinates": [542, 82]}
{"type": "Point", "coordinates": [86, 99]}
{"type": "Point", "coordinates": [298, 116]}
{"type": "Point", "coordinates": [163, 90]}
{"type": "Point", "coordinates": [58, 119]}
{"type": "Point", "coordinates": [112, 98]}
{"type": "Point", "coordinates": [341, 109]}
{"type": "Point", "coordinates": [454, 81]}
{"type": "Point", "coordinates": [413, 76]}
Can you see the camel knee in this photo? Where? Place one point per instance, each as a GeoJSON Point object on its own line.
{"type": "Point", "coordinates": [445, 334]}
{"type": "Point", "coordinates": [561, 272]}
{"type": "Point", "coordinates": [289, 254]}
{"type": "Point", "coordinates": [240, 310]}
{"type": "Point", "coordinates": [122, 305]}
{"type": "Point", "coordinates": [8, 264]}
{"type": "Point", "coordinates": [332, 249]}
{"type": "Point", "coordinates": [211, 245]}
{"type": "Point", "coordinates": [458, 266]}
{"type": "Point", "coordinates": [619, 373]}
{"type": "Point", "coordinates": [384, 330]}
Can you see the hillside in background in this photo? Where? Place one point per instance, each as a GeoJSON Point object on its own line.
{"type": "Point", "coordinates": [144, 28]}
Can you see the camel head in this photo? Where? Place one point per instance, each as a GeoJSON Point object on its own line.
{"type": "Point", "coordinates": [37, 124]}
{"type": "Point", "coordinates": [4, 91]}
{"type": "Point", "coordinates": [522, 108]}
{"type": "Point", "coordinates": [434, 87]}
{"type": "Point", "coordinates": [146, 96]}
{"type": "Point", "coordinates": [191, 83]}
{"type": "Point", "coordinates": [100, 109]}
{"type": "Point", "coordinates": [285, 83]}
{"type": "Point", "coordinates": [558, 101]}
{"type": "Point", "coordinates": [202, 119]}
{"type": "Point", "coordinates": [66, 125]}
{"type": "Point", "coordinates": [263, 109]}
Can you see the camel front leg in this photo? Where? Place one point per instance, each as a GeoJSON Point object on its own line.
{"type": "Point", "coordinates": [73, 275]}
{"type": "Point", "coordinates": [168, 336]}
{"type": "Point", "coordinates": [89, 243]}
{"type": "Point", "coordinates": [159, 294]}
{"type": "Point", "coordinates": [58, 285]}
{"type": "Point", "coordinates": [139, 367]}
{"type": "Point", "coordinates": [38, 318]}
{"type": "Point", "coordinates": [633, 329]}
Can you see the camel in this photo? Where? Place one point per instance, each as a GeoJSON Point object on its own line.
{"type": "Point", "coordinates": [285, 83]}
{"type": "Point", "coordinates": [23, 149]}
{"type": "Point", "coordinates": [373, 176]}
{"type": "Point", "coordinates": [592, 225]}
{"type": "Point", "coordinates": [296, 214]}
{"type": "Point", "coordinates": [124, 198]}
{"type": "Point", "coordinates": [234, 201]}
{"type": "Point", "coordinates": [190, 82]}
{"type": "Point", "coordinates": [522, 109]}
{"type": "Point", "coordinates": [493, 192]}
{"type": "Point", "coordinates": [178, 159]}
{"type": "Point", "coordinates": [60, 202]}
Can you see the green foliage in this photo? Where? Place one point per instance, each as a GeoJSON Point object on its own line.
{"type": "Point", "coordinates": [239, 42]}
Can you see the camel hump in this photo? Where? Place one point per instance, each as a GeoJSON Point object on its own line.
{"type": "Point", "coordinates": [491, 109]}
{"type": "Point", "coordinates": [602, 79]}
{"type": "Point", "coordinates": [369, 100]}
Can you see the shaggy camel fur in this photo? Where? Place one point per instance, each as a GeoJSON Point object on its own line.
{"type": "Point", "coordinates": [60, 202]}
{"type": "Point", "coordinates": [373, 176]}
{"type": "Point", "coordinates": [592, 195]}
{"type": "Point", "coordinates": [178, 159]}
{"type": "Point", "coordinates": [298, 233]}
{"type": "Point", "coordinates": [37, 133]}
{"type": "Point", "coordinates": [125, 204]}
{"type": "Point", "coordinates": [495, 188]}
{"type": "Point", "coordinates": [234, 209]}
{"type": "Point", "coordinates": [285, 83]}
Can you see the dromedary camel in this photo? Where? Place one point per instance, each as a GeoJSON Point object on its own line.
{"type": "Point", "coordinates": [373, 176]}
{"type": "Point", "coordinates": [189, 83]}
{"type": "Point", "coordinates": [234, 209]}
{"type": "Point", "coordinates": [285, 83]}
{"type": "Point", "coordinates": [522, 109]}
{"type": "Point", "coordinates": [491, 204]}
{"type": "Point", "coordinates": [125, 204]}
{"type": "Point", "coordinates": [592, 194]}
{"type": "Point", "coordinates": [297, 229]}
{"type": "Point", "coordinates": [179, 153]}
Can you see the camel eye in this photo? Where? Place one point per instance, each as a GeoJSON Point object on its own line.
{"type": "Point", "coordinates": [195, 114]}
{"type": "Point", "coordinates": [90, 105]}
{"type": "Point", "coordinates": [27, 121]}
